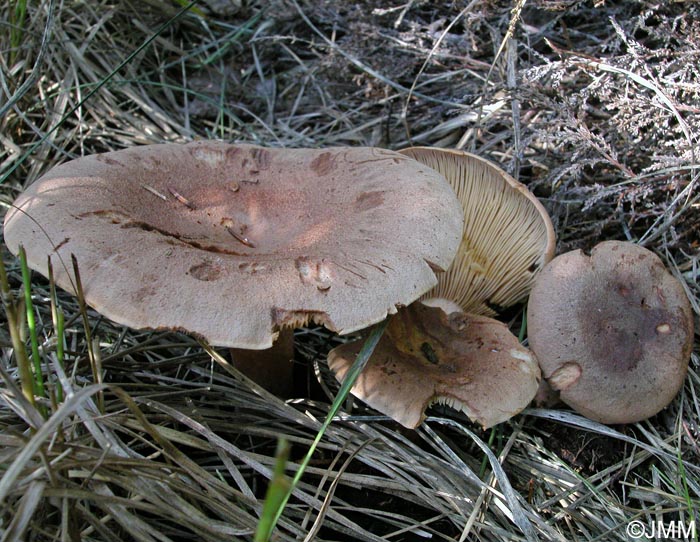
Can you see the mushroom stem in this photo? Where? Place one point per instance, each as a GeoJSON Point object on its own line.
{"type": "Point", "coordinates": [272, 368]}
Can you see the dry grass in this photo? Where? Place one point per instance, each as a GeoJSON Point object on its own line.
{"type": "Point", "coordinates": [593, 104]}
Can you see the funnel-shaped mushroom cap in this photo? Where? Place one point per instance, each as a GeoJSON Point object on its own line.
{"type": "Point", "coordinates": [508, 236]}
{"type": "Point", "coordinates": [612, 331]}
{"type": "Point", "coordinates": [233, 242]}
{"type": "Point", "coordinates": [469, 362]}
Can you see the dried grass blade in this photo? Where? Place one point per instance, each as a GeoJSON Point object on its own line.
{"type": "Point", "coordinates": [89, 342]}
{"type": "Point", "coordinates": [514, 506]}
{"type": "Point", "coordinates": [25, 511]}
{"type": "Point", "coordinates": [331, 491]}
{"type": "Point", "coordinates": [45, 432]}
{"type": "Point", "coordinates": [15, 399]}
{"type": "Point", "coordinates": [95, 89]}
{"type": "Point", "coordinates": [595, 427]}
{"type": "Point", "coordinates": [20, 351]}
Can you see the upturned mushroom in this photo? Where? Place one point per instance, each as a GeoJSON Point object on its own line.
{"type": "Point", "coordinates": [235, 242]}
{"type": "Point", "coordinates": [470, 362]}
{"type": "Point", "coordinates": [508, 236]}
{"type": "Point", "coordinates": [612, 331]}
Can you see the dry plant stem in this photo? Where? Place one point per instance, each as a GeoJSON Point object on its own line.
{"type": "Point", "coordinates": [436, 46]}
{"type": "Point", "coordinates": [273, 368]}
{"type": "Point", "coordinates": [360, 65]}
{"type": "Point", "coordinates": [515, 17]}
{"type": "Point", "coordinates": [34, 75]}
{"type": "Point", "coordinates": [318, 523]}
{"type": "Point", "coordinates": [23, 363]}
{"type": "Point", "coordinates": [59, 327]}
{"type": "Point", "coordinates": [90, 343]}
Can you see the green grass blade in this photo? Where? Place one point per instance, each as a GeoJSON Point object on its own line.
{"type": "Point", "coordinates": [276, 493]}
{"type": "Point", "coordinates": [523, 326]}
{"type": "Point", "coordinates": [351, 377]}
{"type": "Point", "coordinates": [190, 6]}
{"type": "Point", "coordinates": [31, 324]}
{"type": "Point", "coordinates": [18, 16]}
{"type": "Point", "coordinates": [485, 460]}
{"type": "Point", "coordinates": [243, 32]}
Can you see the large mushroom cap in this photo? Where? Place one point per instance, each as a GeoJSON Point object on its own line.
{"type": "Point", "coordinates": [233, 242]}
{"type": "Point", "coordinates": [612, 331]}
{"type": "Point", "coordinates": [470, 362]}
{"type": "Point", "coordinates": [508, 236]}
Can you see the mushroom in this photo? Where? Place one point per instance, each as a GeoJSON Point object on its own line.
{"type": "Point", "coordinates": [235, 242]}
{"type": "Point", "coordinates": [612, 331]}
{"type": "Point", "coordinates": [507, 238]}
{"type": "Point", "coordinates": [508, 235]}
{"type": "Point", "coordinates": [470, 362]}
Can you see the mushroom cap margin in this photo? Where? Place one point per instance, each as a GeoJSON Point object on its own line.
{"type": "Point", "coordinates": [138, 222]}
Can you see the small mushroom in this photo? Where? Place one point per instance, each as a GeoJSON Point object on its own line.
{"type": "Point", "coordinates": [508, 236]}
{"type": "Point", "coordinates": [163, 242]}
{"type": "Point", "coordinates": [470, 362]}
{"type": "Point", "coordinates": [612, 331]}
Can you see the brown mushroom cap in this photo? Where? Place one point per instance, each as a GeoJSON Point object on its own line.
{"type": "Point", "coordinates": [507, 239]}
{"type": "Point", "coordinates": [233, 242]}
{"type": "Point", "coordinates": [612, 331]}
{"type": "Point", "coordinates": [469, 362]}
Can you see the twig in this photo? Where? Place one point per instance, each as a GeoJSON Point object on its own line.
{"type": "Point", "coordinates": [239, 238]}
{"type": "Point", "coordinates": [182, 199]}
{"type": "Point", "coordinates": [154, 192]}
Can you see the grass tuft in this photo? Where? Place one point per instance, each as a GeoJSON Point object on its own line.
{"type": "Point", "coordinates": [38, 386]}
